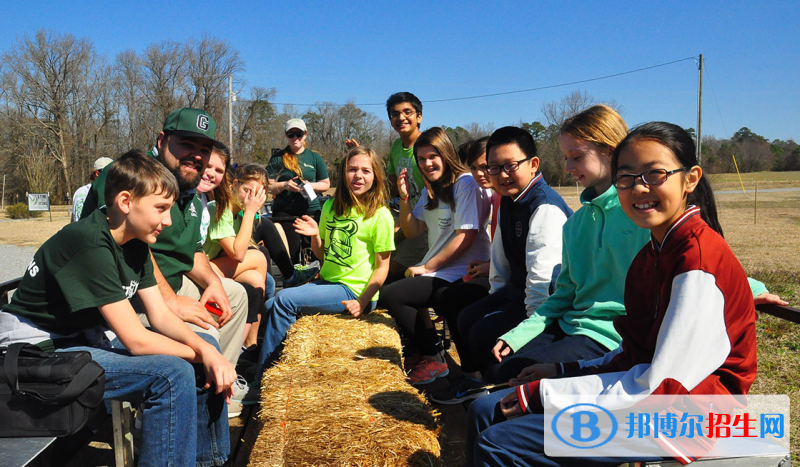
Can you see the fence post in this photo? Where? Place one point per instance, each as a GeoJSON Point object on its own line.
{"type": "Point", "coordinates": [755, 205]}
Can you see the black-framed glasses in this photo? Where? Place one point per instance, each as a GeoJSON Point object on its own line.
{"type": "Point", "coordinates": [295, 134]}
{"type": "Point", "coordinates": [508, 167]}
{"type": "Point", "coordinates": [407, 112]}
{"type": "Point", "coordinates": [649, 177]}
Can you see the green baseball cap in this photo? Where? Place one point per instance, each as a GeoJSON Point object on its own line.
{"type": "Point", "coordinates": [192, 123]}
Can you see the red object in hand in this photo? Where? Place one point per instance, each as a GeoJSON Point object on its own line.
{"type": "Point", "coordinates": [213, 308]}
{"type": "Point", "coordinates": [467, 278]}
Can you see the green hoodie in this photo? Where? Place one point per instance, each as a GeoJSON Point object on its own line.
{"type": "Point", "coordinates": [600, 242]}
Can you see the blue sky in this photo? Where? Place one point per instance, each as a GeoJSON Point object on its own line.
{"type": "Point", "coordinates": [364, 51]}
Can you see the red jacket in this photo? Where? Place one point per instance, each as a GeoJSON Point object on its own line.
{"type": "Point", "coordinates": [689, 326]}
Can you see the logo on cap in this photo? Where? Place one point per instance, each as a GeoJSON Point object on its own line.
{"type": "Point", "coordinates": [202, 122]}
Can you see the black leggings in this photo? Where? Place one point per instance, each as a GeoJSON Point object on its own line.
{"type": "Point", "coordinates": [264, 231]}
{"type": "Point", "coordinates": [453, 301]}
{"type": "Point", "coordinates": [402, 298]}
{"type": "Point", "coordinates": [286, 221]}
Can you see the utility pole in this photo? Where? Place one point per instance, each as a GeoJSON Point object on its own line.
{"type": "Point", "coordinates": [700, 109]}
{"type": "Point", "coordinates": [230, 115]}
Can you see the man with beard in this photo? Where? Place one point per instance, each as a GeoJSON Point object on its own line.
{"type": "Point", "coordinates": [180, 266]}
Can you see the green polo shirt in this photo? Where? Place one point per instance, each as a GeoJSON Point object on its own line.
{"type": "Point", "coordinates": [314, 169]}
{"type": "Point", "coordinates": [176, 245]}
{"type": "Point", "coordinates": [77, 270]}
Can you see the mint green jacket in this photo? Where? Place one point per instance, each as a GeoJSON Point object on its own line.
{"type": "Point", "coordinates": [599, 244]}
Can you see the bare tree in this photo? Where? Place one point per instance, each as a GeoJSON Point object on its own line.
{"type": "Point", "coordinates": [50, 82]}
{"type": "Point", "coordinates": [38, 171]}
{"type": "Point", "coordinates": [256, 126]}
{"type": "Point", "coordinates": [210, 62]}
{"type": "Point", "coordinates": [164, 81]}
{"type": "Point", "coordinates": [556, 112]}
{"type": "Point", "coordinates": [129, 86]}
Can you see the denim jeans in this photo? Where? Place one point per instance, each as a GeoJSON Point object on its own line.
{"type": "Point", "coordinates": [269, 290]}
{"type": "Point", "coordinates": [492, 440]}
{"type": "Point", "coordinates": [318, 297]}
{"type": "Point", "coordinates": [183, 425]}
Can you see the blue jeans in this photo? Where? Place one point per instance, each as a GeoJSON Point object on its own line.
{"type": "Point", "coordinates": [492, 440]}
{"type": "Point", "coordinates": [318, 297]}
{"type": "Point", "coordinates": [183, 425]}
{"type": "Point", "coordinates": [269, 291]}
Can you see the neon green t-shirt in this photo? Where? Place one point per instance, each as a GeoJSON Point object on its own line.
{"type": "Point", "coordinates": [217, 230]}
{"type": "Point", "coordinates": [350, 244]}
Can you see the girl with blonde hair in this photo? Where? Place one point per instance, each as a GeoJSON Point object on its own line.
{"type": "Point", "coordinates": [354, 239]}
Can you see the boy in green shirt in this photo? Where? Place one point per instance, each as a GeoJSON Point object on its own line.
{"type": "Point", "coordinates": [405, 116]}
{"type": "Point", "coordinates": [75, 295]}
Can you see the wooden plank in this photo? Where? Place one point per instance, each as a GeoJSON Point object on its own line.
{"type": "Point", "coordinates": [246, 441]}
{"type": "Point", "coordinates": [784, 312]}
{"type": "Point", "coordinates": [22, 451]}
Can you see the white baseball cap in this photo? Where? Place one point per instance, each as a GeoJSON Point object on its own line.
{"type": "Point", "coordinates": [296, 123]}
{"type": "Point", "coordinates": [102, 162]}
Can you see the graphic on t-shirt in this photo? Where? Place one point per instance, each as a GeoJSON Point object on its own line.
{"type": "Point", "coordinates": [33, 269]}
{"type": "Point", "coordinates": [340, 240]}
{"type": "Point", "coordinates": [131, 289]}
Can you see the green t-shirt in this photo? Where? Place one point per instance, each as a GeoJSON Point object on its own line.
{"type": "Point", "coordinates": [226, 227]}
{"type": "Point", "coordinates": [78, 269]}
{"type": "Point", "coordinates": [403, 158]}
{"type": "Point", "coordinates": [351, 243]}
{"type": "Point", "coordinates": [314, 170]}
{"type": "Point", "coordinates": [176, 245]}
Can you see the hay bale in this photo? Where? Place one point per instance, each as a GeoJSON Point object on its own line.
{"type": "Point", "coordinates": [339, 397]}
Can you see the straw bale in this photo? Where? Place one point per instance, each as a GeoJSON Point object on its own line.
{"type": "Point", "coordinates": [339, 397]}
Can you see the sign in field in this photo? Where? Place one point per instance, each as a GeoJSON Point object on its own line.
{"type": "Point", "coordinates": [38, 201]}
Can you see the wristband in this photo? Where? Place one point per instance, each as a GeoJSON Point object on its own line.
{"type": "Point", "coordinates": [404, 199]}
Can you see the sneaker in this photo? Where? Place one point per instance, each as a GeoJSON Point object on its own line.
{"type": "Point", "coordinates": [234, 409]}
{"type": "Point", "coordinates": [303, 267]}
{"type": "Point", "coordinates": [300, 277]}
{"type": "Point", "coordinates": [245, 393]}
{"type": "Point", "coordinates": [428, 370]}
{"type": "Point", "coordinates": [410, 361]}
{"type": "Point", "coordinates": [462, 390]}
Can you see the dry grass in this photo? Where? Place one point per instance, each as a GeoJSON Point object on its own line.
{"type": "Point", "coordinates": [338, 397]}
{"type": "Point", "coordinates": [33, 232]}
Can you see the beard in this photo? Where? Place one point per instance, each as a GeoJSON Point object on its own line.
{"type": "Point", "coordinates": [184, 184]}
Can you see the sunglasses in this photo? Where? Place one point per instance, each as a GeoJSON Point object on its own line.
{"type": "Point", "coordinates": [295, 134]}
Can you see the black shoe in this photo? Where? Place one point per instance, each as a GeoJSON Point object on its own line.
{"type": "Point", "coordinates": [461, 391]}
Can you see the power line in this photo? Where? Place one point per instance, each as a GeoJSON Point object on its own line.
{"type": "Point", "coordinates": [505, 93]}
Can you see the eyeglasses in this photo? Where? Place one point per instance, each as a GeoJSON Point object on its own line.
{"type": "Point", "coordinates": [508, 167]}
{"type": "Point", "coordinates": [649, 178]}
{"type": "Point", "coordinates": [295, 134]}
{"type": "Point", "coordinates": [407, 112]}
